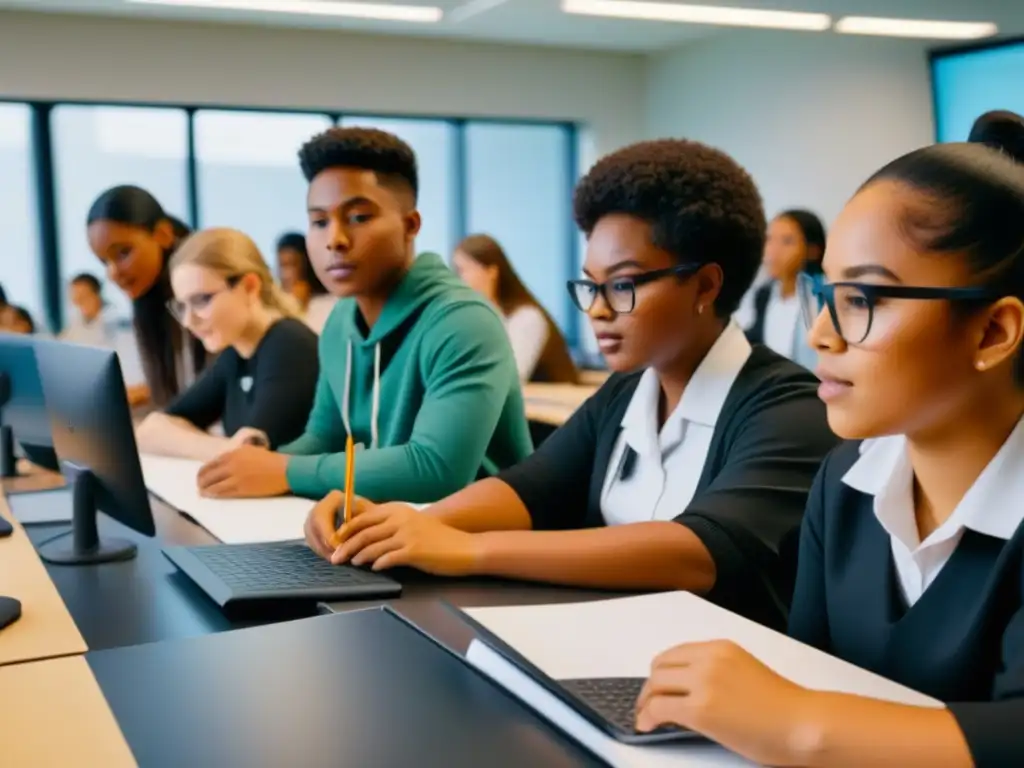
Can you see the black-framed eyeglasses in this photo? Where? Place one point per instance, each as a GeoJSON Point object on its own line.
{"type": "Point", "coordinates": [851, 306]}
{"type": "Point", "coordinates": [620, 292]}
{"type": "Point", "coordinates": [199, 303]}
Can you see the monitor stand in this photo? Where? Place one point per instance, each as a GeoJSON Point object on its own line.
{"type": "Point", "coordinates": [8, 461]}
{"type": "Point", "coordinates": [85, 547]}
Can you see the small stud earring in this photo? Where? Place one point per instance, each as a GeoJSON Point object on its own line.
{"type": "Point", "coordinates": [700, 309]}
{"type": "Point", "coordinates": [980, 365]}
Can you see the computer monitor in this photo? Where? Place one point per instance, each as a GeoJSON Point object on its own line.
{"type": "Point", "coordinates": [23, 417]}
{"type": "Point", "coordinates": [94, 438]}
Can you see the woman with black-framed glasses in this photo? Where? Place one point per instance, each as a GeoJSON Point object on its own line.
{"type": "Point", "coordinates": [689, 469]}
{"type": "Point", "coordinates": [911, 559]}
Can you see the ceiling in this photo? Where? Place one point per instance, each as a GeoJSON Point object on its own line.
{"type": "Point", "coordinates": [541, 22]}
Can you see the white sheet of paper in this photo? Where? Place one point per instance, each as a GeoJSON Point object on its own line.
{"type": "Point", "coordinates": [232, 521]}
{"type": "Point", "coordinates": [620, 637]}
{"type": "Point", "coordinates": [50, 506]}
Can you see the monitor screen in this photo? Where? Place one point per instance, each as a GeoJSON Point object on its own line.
{"type": "Point", "coordinates": [969, 83]}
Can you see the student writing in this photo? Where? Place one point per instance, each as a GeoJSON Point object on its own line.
{"type": "Point", "coordinates": [912, 551]}
{"type": "Point", "coordinates": [539, 347]}
{"type": "Point", "coordinates": [692, 471]}
{"type": "Point", "coordinates": [261, 385]}
{"type": "Point", "coordinates": [413, 364]}
{"type": "Point", "coordinates": [131, 234]}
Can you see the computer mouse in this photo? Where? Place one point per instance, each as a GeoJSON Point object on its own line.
{"type": "Point", "coordinates": [10, 611]}
{"type": "Point", "coordinates": [6, 529]}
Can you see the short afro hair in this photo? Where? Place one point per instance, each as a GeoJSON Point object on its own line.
{"type": "Point", "coordinates": [701, 205]}
{"type": "Point", "coordinates": [366, 148]}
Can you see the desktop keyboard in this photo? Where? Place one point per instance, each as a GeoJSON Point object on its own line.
{"type": "Point", "coordinates": [230, 573]}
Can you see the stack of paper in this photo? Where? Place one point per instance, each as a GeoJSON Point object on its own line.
{"type": "Point", "coordinates": [233, 521]}
{"type": "Point", "coordinates": [620, 638]}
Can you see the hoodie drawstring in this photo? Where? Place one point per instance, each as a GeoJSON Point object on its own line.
{"type": "Point", "coordinates": [346, 395]}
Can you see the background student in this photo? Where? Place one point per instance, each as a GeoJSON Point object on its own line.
{"type": "Point", "coordinates": [690, 467]}
{"type": "Point", "coordinates": [299, 279]}
{"type": "Point", "coordinates": [796, 242]}
{"type": "Point", "coordinates": [912, 553]}
{"type": "Point", "coordinates": [131, 234]}
{"type": "Point", "coordinates": [413, 364]}
{"type": "Point", "coordinates": [15, 319]}
{"type": "Point", "coordinates": [261, 385]}
{"type": "Point", "coordinates": [92, 325]}
{"type": "Point", "coordinates": [539, 347]}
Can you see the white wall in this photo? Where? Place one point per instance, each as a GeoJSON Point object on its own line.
{"type": "Point", "coordinates": [811, 116]}
{"type": "Point", "coordinates": [95, 58]}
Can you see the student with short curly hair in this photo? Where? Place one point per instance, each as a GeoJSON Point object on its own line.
{"type": "Point", "coordinates": [690, 468]}
{"type": "Point", "coordinates": [414, 364]}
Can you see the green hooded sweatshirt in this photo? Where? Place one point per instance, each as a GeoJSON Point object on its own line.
{"type": "Point", "coordinates": [431, 395]}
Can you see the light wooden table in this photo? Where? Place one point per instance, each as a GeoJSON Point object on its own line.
{"type": "Point", "coordinates": [554, 403]}
{"type": "Point", "coordinates": [55, 714]}
{"type": "Point", "coordinates": [45, 629]}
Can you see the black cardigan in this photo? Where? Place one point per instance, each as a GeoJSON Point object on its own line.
{"type": "Point", "coordinates": [962, 642]}
{"type": "Point", "coordinates": [767, 445]}
{"type": "Point", "coordinates": [755, 333]}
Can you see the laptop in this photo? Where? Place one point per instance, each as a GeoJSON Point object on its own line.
{"type": "Point", "coordinates": [607, 703]}
{"type": "Point", "coordinates": [233, 574]}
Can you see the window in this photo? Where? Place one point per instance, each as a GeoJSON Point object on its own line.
{"type": "Point", "coordinates": [519, 191]}
{"type": "Point", "coordinates": [95, 148]}
{"type": "Point", "coordinates": [248, 174]}
{"type": "Point", "coordinates": [20, 268]}
{"type": "Point", "coordinates": [970, 83]}
{"type": "Point", "coordinates": [433, 141]}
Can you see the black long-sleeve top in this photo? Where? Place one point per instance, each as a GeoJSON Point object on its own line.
{"type": "Point", "coordinates": [766, 447]}
{"type": "Point", "coordinates": [271, 391]}
{"type": "Point", "coordinates": [962, 642]}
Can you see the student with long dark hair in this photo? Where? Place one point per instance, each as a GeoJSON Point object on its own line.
{"type": "Point", "coordinates": [911, 559]}
{"type": "Point", "coordinates": [539, 347]}
{"type": "Point", "coordinates": [690, 468]}
{"type": "Point", "coordinates": [299, 279]}
{"type": "Point", "coordinates": [134, 237]}
{"type": "Point", "coordinates": [795, 243]}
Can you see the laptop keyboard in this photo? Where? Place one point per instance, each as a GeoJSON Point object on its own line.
{"type": "Point", "coordinates": [614, 698]}
{"type": "Point", "coordinates": [278, 566]}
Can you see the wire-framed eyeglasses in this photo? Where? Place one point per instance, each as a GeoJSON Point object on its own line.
{"type": "Point", "coordinates": [851, 305]}
{"type": "Point", "coordinates": [199, 303]}
{"type": "Point", "coordinates": [620, 292]}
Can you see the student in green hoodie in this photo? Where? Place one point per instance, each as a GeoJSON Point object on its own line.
{"type": "Point", "coordinates": [413, 363]}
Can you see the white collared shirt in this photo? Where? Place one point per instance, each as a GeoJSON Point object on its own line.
{"type": "Point", "coordinates": [668, 462]}
{"type": "Point", "coordinates": [780, 321]}
{"type": "Point", "coordinates": [992, 506]}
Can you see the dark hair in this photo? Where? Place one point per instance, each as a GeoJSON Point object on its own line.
{"type": "Point", "coordinates": [22, 314]}
{"type": "Point", "coordinates": [555, 363]}
{"type": "Point", "coordinates": [369, 149]}
{"type": "Point", "coordinates": [84, 278]}
{"type": "Point", "coordinates": [972, 202]}
{"type": "Point", "coordinates": [296, 241]}
{"type": "Point", "coordinates": [154, 327]}
{"type": "Point", "coordinates": [813, 232]}
{"type": "Point", "coordinates": [3, 296]}
{"type": "Point", "coordinates": [701, 205]}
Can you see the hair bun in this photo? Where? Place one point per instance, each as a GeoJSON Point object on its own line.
{"type": "Point", "coordinates": [1002, 130]}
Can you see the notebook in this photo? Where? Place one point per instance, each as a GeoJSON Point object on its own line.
{"type": "Point", "coordinates": [232, 521]}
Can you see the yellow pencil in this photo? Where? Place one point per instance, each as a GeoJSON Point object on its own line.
{"type": "Point", "coordinates": [350, 472]}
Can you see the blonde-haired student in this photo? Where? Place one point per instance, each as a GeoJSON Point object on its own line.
{"type": "Point", "coordinates": [261, 386]}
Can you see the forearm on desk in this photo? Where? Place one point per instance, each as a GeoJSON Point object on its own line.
{"type": "Point", "coordinates": [845, 731]}
{"type": "Point", "coordinates": [640, 556]}
{"type": "Point", "coordinates": [487, 505]}
{"type": "Point", "coordinates": [172, 436]}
